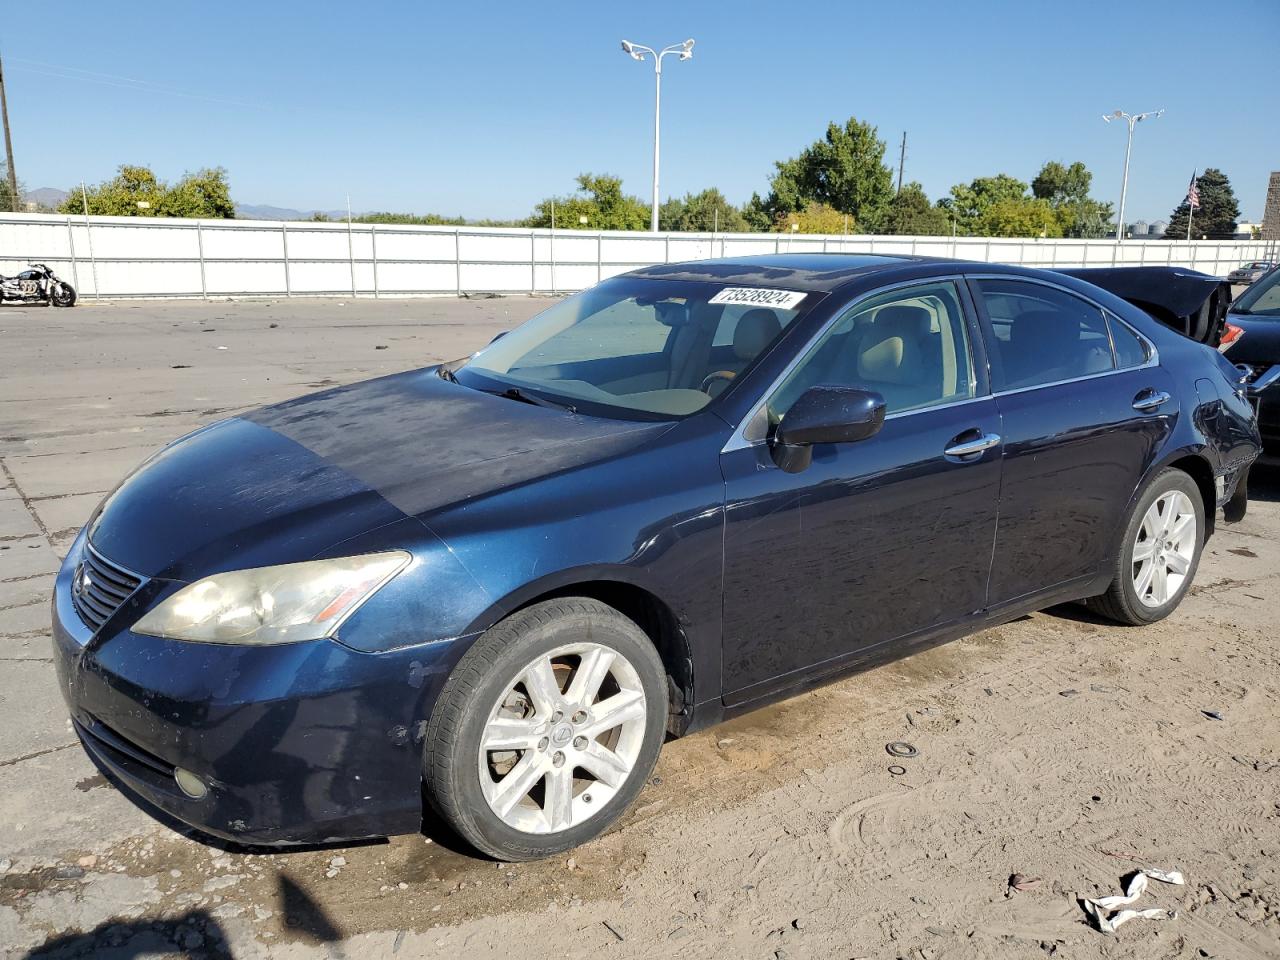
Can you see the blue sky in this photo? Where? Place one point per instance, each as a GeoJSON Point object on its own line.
{"type": "Point", "coordinates": [484, 108]}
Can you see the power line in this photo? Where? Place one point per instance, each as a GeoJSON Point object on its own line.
{"type": "Point", "coordinates": [63, 72]}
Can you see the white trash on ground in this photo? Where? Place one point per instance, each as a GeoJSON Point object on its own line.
{"type": "Point", "coordinates": [1101, 909]}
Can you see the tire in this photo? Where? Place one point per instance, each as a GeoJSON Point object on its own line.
{"type": "Point", "coordinates": [499, 694]}
{"type": "Point", "coordinates": [63, 295]}
{"type": "Point", "coordinates": [1122, 602]}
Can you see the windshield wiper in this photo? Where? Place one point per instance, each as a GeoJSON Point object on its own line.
{"type": "Point", "coordinates": [515, 393]}
{"type": "Point", "coordinates": [446, 374]}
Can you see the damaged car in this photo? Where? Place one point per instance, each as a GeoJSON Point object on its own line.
{"type": "Point", "coordinates": [484, 593]}
{"type": "Point", "coordinates": [1252, 343]}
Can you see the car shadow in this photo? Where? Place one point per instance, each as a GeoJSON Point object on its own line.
{"type": "Point", "coordinates": [193, 933]}
{"type": "Point", "coordinates": [1264, 480]}
{"type": "Point", "coordinates": [1077, 612]}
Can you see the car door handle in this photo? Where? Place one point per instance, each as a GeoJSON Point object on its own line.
{"type": "Point", "coordinates": [1150, 400]}
{"type": "Point", "coordinates": [968, 448]}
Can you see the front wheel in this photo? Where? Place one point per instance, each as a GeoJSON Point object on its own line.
{"type": "Point", "coordinates": [1161, 550]}
{"type": "Point", "coordinates": [546, 730]}
{"type": "Point", "coordinates": [63, 295]}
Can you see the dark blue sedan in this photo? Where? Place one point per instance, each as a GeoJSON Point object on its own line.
{"type": "Point", "coordinates": [486, 591]}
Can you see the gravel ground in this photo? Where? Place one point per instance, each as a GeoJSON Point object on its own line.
{"type": "Point", "coordinates": [1057, 747]}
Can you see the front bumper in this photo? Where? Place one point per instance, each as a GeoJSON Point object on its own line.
{"type": "Point", "coordinates": [297, 743]}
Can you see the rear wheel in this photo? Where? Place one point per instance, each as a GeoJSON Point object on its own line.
{"type": "Point", "coordinates": [1160, 553]}
{"type": "Point", "coordinates": [547, 729]}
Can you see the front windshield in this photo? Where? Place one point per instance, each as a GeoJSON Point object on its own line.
{"type": "Point", "coordinates": [1262, 298]}
{"type": "Point", "coordinates": [641, 348]}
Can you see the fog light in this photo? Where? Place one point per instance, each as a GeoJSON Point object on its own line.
{"type": "Point", "coordinates": [190, 784]}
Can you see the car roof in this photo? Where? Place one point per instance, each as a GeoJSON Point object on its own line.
{"type": "Point", "coordinates": [819, 272]}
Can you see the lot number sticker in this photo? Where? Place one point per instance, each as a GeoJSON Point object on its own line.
{"type": "Point", "coordinates": [756, 297]}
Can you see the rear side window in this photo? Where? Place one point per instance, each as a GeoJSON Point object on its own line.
{"type": "Point", "coordinates": [1130, 350]}
{"type": "Point", "coordinates": [1043, 335]}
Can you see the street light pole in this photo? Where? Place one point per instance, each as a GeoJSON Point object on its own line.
{"type": "Point", "coordinates": [1132, 120]}
{"type": "Point", "coordinates": [638, 52]}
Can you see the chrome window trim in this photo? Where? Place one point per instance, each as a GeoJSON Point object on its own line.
{"type": "Point", "coordinates": [739, 440]}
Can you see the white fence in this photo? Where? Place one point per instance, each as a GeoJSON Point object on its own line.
{"type": "Point", "coordinates": [130, 257]}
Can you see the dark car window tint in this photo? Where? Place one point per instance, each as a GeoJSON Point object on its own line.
{"type": "Point", "coordinates": [1043, 335]}
{"type": "Point", "coordinates": [910, 346]}
{"type": "Point", "coordinates": [1130, 350]}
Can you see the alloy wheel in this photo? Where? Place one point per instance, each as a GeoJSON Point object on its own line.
{"type": "Point", "coordinates": [562, 738]}
{"type": "Point", "coordinates": [1164, 549]}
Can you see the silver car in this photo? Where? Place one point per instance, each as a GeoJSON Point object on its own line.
{"type": "Point", "coordinates": [1249, 272]}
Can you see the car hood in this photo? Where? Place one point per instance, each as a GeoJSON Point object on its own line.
{"type": "Point", "coordinates": [1261, 340]}
{"type": "Point", "coordinates": [287, 482]}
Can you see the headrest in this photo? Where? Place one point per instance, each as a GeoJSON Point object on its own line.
{"type": "Point", "coordinates": [756, 329]}
{"type": "Point", "coordinates": [905, 319]}
{"type": "Point", "coordinates": [890, 348]}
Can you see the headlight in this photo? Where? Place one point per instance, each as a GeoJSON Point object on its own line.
{"type": "Point", "coordinates": [293, 601]}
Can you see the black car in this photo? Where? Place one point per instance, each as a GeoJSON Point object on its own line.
{"type": "Point", "coordinates": [498, 584]}
{"type": "Point", "coordinates": [1254, 345]}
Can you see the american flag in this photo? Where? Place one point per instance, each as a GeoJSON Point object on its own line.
{"type": "Point", "coordinates": [1193, 194]}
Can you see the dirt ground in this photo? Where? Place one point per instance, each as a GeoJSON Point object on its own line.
{"type": "Point", "coordinates": [1057, 747]}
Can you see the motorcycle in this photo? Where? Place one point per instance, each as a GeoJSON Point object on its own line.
{"type": "Point", "coordinates": [37, 285]}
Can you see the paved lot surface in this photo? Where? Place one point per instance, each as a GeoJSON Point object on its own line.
{"type": "Point", "coordinates": [1058, 746]}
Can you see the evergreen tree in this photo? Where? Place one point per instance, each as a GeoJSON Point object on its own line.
{"type": "Point", "coordinates": [1217, 214]}
{"type": "Point", "coordinates": [910, 214]}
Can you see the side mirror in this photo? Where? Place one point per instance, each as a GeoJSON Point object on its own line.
{"type": "Point", "coordinates": [825, 414]}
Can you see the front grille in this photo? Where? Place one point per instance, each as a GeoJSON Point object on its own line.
{"type": "Point", "coordinates": [100, 587]}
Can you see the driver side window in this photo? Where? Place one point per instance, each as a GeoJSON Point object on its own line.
{"type": "Point", "coordinates": [911, 346]}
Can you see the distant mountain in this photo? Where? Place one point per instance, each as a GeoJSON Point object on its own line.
{"type": "Point", "coordinates": [263, 211]}
{"type": "Point", "coordinates": [45, 196]}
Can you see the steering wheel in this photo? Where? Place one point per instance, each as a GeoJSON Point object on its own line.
{"type": "Point", "coordinates": [710, 378]}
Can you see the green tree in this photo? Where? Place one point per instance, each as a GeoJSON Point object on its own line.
{"type": "Point", "coordinates": [1066, 189]}
{"type": "Point", "coordinates": [204, 193]}
{"type": "Point", "coordinates": [910, 214]}
{"type": "Point", "coordinates": [814, 218]}
{"type": "Point", "coordinates": [844, 171]}
{"type": "Point", "coordinates": [969, 202]}
{"type": "Point", "coordinates": [135, 192]}
{"type": "Point", "coordinates": [1217, 214]}
{"type": "Point", "coordinates": [8, 202]}
{"type": "Point", "coordinates": [756, 213]}
{"type": "Point", "coordinates": [701, 212]}
{"type": "Point", "coordinates": [600, 201]}
{"type": "Point", "coordinates": [1018, 217]}
{"type": "Point", "coordinates": [1061, 185]}
{"type": "Point", "coordinates": [425, 220]}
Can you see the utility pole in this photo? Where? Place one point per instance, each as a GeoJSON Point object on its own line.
{"type": "Point", "coordinates": [8, 145]}
{"type": "Point", "coordinates": [902, 160]}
